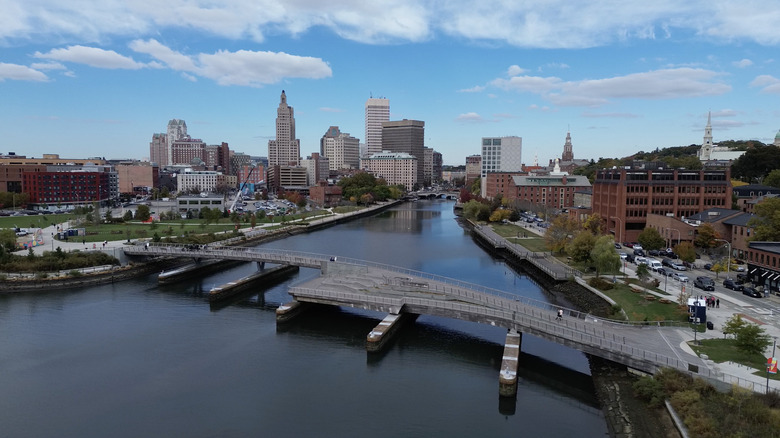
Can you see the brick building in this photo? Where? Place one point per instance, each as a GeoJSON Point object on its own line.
{"type": "Point", "coordinates": [625, 197]}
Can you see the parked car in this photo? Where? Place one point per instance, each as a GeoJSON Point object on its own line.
{"type": "Point", "coordinates": [678, 266]}
{"type": "Point", "coordinates": [653, 253]}
{"type": "Point", "coordinates": [731, 284]}
{"type": "Point", "coordinates": [617, 246]}
{"type": "Point", "coordinates": [705, 283]}
{"type": "Point", "coordinates": [637, 246]}
{"type": "Point", "coordinates": [667, 262]}
{"type": "Point", "coordinates": [638, 252]}
{"type": "Point", "coordinates": [630, 258]}
{"type": "Point", "coordinates": [623, 256]}
{"type": "Point", "coordinates": [751, 292]}
{"type": "Point", "coordinates": [680, 277]}
{"type": "Point", "coordinates": [664, 271]}
{"type": "Point", "coordinates": [707, 266]}
{"type": "Point", "coordinates": [640, 261]}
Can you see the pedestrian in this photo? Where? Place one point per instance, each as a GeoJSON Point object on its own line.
{"type": "Point", "coordinates": [560, 315]}
{"type": "Point", "coordinates": [717, 303]}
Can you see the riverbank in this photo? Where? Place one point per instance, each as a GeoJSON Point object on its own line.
{"type": "Point", "coordinates": [128, 269]}
{"type": "Point", "coordinates": [626, 416]}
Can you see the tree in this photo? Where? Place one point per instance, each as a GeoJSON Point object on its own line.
{"type": "Point", "coordinates": [500, 215]}
{"type": "Point", "coordinates": [643, 274]}
{"type": "Point", "coordinates": [756, 163]}
{"type": "Point", "coordinates": [253, 220]}
{"type": "Point", "coordinates": [476, 210]}
{"type": "Point", "coordinates": [753, 339]}
{"type": "Point", "coordinates": [8, 240]}
{"type": "Point", "coordinates": [595, 224]}
{"type": "Point", "coordinates": [773, 179]}
{"type": "Point", "coordinates": [128, 216]}
{"type": "Point", "coordinates": [142, 213]}
{"type": "Point", "coordinates": [580, 247]}
{"type": "Point", "coordinates": [766, 223]}
{"type": "Point", "coordinates": [650, 238]}
{"type": "Point", "coordinates": [560, 233]}
{"type": "Point", "coordinates": [685, 251]}
{"type": "Point", "coordinates": [733, 325]}
{"type": "Point", "coordinates": [604, 256]}
{"type": "Point", "coordinates": [705, 236]}
{"type": "Point", "coordinates": [366, 199]}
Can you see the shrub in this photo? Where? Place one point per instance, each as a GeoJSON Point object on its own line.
{"type": "Point", "coordinates": [600, 283]}
{"type": "Point", "coordinates": [649, 390]}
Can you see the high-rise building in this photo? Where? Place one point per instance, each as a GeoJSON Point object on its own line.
{"type": "Point", "coordinates": [158, 149]}
{"type": "Point", "coordinates": [286, 149]}
{"type": "Point", "coordinates": [185, 150]}
{"type": "Point", "coordinates": [377, 111]}
{"type": "Point", "coordinates": [341, 149]}
{"type": "Point", "coordinates": [500, 154]}
{"type": "Point", "coordinates": [406, 136]}
{"type": "Point", "coordinates": [473, 169]}
{"type": "Point", "coordinates": [177, 130]}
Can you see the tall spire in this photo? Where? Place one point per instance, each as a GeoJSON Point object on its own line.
{"type": "Point", "coordinates": [706, 145]}
{"type": "Point", "coordinates": [568, 153]}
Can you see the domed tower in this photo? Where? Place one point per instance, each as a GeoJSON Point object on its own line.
{"type": "Point", "coordinates": [777, 139]}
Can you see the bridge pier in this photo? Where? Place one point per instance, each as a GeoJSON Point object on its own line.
{"type": "Point", "coordinates": [260, 266]}
{"type": "Point", "coordinates": [288, 311]}
{"type": "Point", "coordinates": [507, 380]}
{"type": "Point", "coordinates": [384, 332]}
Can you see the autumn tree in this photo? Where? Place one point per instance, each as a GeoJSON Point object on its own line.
{"type": "Point", "coordinates": [705, 236]}
{"type": "Point", "coordinates": [580, 247]}
{"type": "Point", "coordinates": [685, 251]}
{"type": "Point", "coordinates": [594, 224]}
{"type": "Point", "coordinates": [560, 232]}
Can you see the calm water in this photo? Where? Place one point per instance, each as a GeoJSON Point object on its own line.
{"type": "Point", "coordinates": [137, 359]}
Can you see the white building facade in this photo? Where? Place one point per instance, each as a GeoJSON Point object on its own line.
{"type": "Point", "coordinates": [341, 149]}
{"type": "Point", "coordinates": [394, 167]}
{"type": "Point", "coordinates": [286, 149]}
{"type": "Point", "coordinates": [500, 154]}
{"type": "Point", "coordinates": [377, 111]}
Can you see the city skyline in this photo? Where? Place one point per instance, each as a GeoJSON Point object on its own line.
{"type": "Point", "coordinates": [620, 77]}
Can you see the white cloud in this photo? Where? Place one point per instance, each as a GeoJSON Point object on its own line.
{"type": "Point", "coordinates": [242, 67]}
{"type": "Point", "coordinates": [742, 63]}
{"type": "Point", "coordinates": [769, 84]}
{"type": "Point", "coordinates": [91, 56]}
{"type": "Point", "coordinates": [593, 115]}
{"type": "Point", "coordinates": [48, 66]}
{"type": "Point", "coordinates": [470, 118]}
{"type": "Point", "coordinates": [530, 23]}
{"type": "Point", "coordinates": [475, 89]}
{"type": "Point", "coordinates": [653, 85]}
{"type": "Point", "coordinates": [20, 73]}
{"type": "Point", "coordinates": [515, 70]}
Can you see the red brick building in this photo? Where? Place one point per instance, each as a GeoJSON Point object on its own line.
{"type": "Point", "coordinates": [325, 195]}
{"type": "Point", "coordinates": [625, 197]}
{"type": "Point", "coordinates": [62, 188]}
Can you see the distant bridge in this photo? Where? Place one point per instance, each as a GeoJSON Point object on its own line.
{"type": "Point", "coordinates": [372, 286]}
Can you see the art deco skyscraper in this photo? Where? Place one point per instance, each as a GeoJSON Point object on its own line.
{"type": "Point", "coordinates": [377, 111]}
{"type": "Point", "coordinates": [286, 149]}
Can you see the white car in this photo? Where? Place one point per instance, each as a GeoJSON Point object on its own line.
{"type": "Point", "coordinates": [680, 277]}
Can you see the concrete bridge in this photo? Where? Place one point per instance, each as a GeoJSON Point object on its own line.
{"type": "Point", "coordinates": [397, 291]}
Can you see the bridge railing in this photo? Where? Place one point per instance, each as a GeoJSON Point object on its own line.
{"type": "Point", "coordinates": [457, 288]}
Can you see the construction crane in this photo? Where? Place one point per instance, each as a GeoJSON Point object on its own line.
{"type": "Point", "coordinates": [241, 189]}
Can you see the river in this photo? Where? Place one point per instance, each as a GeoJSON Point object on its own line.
{"type": "Point", "coordinates": [136, 359]}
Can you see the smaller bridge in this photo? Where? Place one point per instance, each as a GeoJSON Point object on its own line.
{"type": "Point", "coordinates": [384, 288]}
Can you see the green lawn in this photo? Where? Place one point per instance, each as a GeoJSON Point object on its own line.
{"type": "Point", "coordinates": [723, 350]}
{"type": "Point", "coordinates": [639, 308]}
{"type": "Point", "coordinates": [533, 241]}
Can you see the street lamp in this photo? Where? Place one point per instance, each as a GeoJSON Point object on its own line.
{"type": "Point", "coordinates": [728, 263]}
{"type": "Point", "coordinates": [621, 227]}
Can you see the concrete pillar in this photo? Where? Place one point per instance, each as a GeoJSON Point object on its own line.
{"type": "Point", "coordinates": [288, 311]}
{"type": "Point", "coordinates": [507, 380]}
{"type": "Point", "coordinates": [378, 338]}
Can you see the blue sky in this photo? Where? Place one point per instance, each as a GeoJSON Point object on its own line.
{"type": "Point", "coordinates": [86, 78]}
